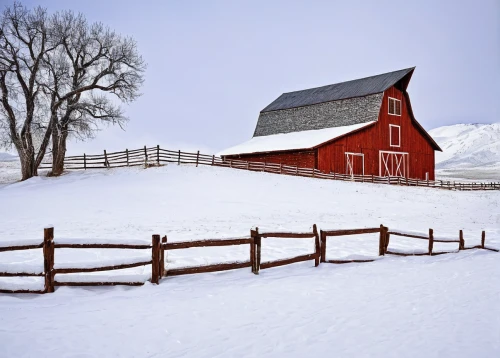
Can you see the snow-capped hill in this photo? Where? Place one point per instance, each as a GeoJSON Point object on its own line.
{"type": "Point", "coordinates": [468, 146]}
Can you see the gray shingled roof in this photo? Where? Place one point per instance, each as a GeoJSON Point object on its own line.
{"type": "Point", "coordinates": [356, 88]}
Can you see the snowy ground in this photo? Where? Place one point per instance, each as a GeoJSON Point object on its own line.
{"type": "Point", "coordinates": [443, 306]}
{"type": "Point", "coordinates": [424, 306]}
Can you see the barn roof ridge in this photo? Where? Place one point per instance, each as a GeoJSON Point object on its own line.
{"type": "Point", "coordinates": [342, 90]}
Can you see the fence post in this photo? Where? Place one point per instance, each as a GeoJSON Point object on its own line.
{"type": "Point", "coordinates": [483, 239]}
{"type": "Point", "coordinates": [126, 151]}
{"type": "Point", "coordinates": [323, 246]}
{"type": "Point", "coordinates": [162, 255]}
{"type": "Point", "coordinates": [158, 154]}
{"type": "Point", "coordinates": [255, 250]}
{"type": "Point", "coordinates": [106, 164]}
{"type": "Point", "coordinates": [317, 246]}
{"type": "Point", "coordinates": [431, 240]}
{"type": "Point", "coordinates": [372, 178]}
{"type": "Point", "coordinates": [252, 249]}
{"type": "Point", "coordinates": [381, 241]}
{"type": "Point", "coordinates": [387, 238]}
{"type": "Point", "coordinates": [84, 162]}
{"type": "Point", "coordinates": [213, 159]}
{"type": "Point", "coordinates": [179, 160]}
{"type": "Point", "coordinates": [48, 258]}
{"type": "Point", "coordinates": [461, 245]}
{"type": "Point", "coordinates": [197, 157]}
{"type": "Point", "coordinates": [296, 170]}
{"type": "Point", "coordinates": [155, 259]}
{"type": "Point", "coordinates": [258, 242]}
{"type": "Point", "coordinates": [145, 157]}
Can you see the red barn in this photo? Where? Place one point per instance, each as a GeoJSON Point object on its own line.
{"type": "Point", "coordinates": [364, 126]}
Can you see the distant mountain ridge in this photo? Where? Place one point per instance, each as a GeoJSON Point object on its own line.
{"type": "Point", "coordinates": [468, 146]}
{"type": "Point", "coordinates": [6, 157]}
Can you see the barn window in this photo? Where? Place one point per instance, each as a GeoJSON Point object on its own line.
{"type": "Point", "coordinates": [394, 106]}
{"type": "Point", "coordinates": [394, 135]}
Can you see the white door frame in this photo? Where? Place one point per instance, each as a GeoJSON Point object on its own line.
{"type": "Point", "coordinates": [401, 165]}
{"type": "Point", "coordinates": [348, 168]}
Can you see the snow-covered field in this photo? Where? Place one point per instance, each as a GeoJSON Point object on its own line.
{"type": "Point", "coordinates": [420, 306]}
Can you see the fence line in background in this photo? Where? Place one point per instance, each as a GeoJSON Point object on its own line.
{"type": "Point", "coordinates": [158, 248]}
{"type": "Point", "coordinates": [155, 156]}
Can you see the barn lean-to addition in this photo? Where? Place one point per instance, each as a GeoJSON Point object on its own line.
{"type": "Point", "coordinates": [364, 126]}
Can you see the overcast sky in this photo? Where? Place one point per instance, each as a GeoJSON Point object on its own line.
{"type": "Point", "coordinates": [213, 65]}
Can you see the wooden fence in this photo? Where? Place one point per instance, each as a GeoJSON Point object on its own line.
{"type": "Point", "coordinates": [158, 248]}
{"type": "Point", "coordinates": [156, 156]}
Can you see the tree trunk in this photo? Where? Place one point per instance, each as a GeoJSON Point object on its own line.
{"type": "Point", "coordinates": [59, 136]}
{"type": "Point", "coordinates": [26, 153]}
{"type": "Point", "coordinates": [28, 167]}
{"type": "Point", "coordinates": [58, 160]}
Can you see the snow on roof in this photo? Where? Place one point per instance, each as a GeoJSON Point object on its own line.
{"type": "Point", "coordinates": [289, 141]}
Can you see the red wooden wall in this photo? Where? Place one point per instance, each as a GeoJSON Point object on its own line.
{"type": "Point", "coordinates": [301, 159]}
{"type": "Point", "coordinates": [371, 140]}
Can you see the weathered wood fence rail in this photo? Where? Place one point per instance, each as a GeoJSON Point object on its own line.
{"type": "Point", "coordinates": [157, 156]}
{"type": "Point", "coordinates": [257, 239]}
{"type": "Point", "coordinates": [207, 268]}
{"type": "Point", "coordinates": [158, 248]}
{"type": "Point", "coordinates": [329, 233]}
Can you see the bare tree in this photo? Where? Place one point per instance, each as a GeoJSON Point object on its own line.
{"type": "Point", "coordinates": [91, 64]}
{"type": "Point", "coordinates": [23, 43]}
{"type": "Point", "coordinates": [79, 73]}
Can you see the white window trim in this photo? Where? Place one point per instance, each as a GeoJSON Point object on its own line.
{"type": "Point", "coordinates": [390, 136]}
{"type": "Point", "coordinates": [349, 164]}
{"type": "Point", "coordinates": [389, 106]}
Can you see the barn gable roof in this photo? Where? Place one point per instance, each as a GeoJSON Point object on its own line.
{"type": "Point", "coordinates": [350, 89]}
{"type": "Point", "coordinates": [304, 119]}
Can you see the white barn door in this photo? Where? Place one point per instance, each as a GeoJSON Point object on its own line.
{"type": "Point", "coordinates": [355, 163]}
{"type": "Point", "coordinates": [394, 164]}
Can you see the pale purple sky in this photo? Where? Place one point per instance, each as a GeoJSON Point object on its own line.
{"type": "Point", "coordinates": [213, 65]}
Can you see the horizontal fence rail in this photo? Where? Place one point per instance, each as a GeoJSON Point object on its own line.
{"type": "Point", "coordinates": [257, 238]}
{"type": "Point", "coordinates": [331, 233]}
{"type": "Point", "coordinates": [159, 246]}
{"type": "Point", "coordinates": [155, 156]}
{"type": "Point", "coordinates": [205, 268]}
